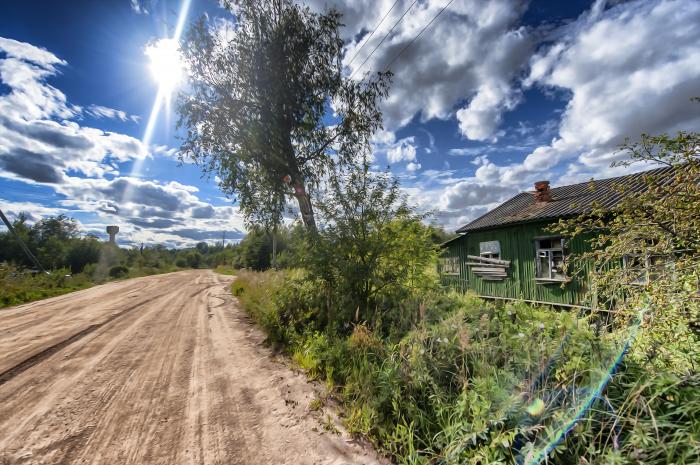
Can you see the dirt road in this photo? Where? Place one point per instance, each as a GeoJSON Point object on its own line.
{"type": "Point", "coordinates": [158, 370]}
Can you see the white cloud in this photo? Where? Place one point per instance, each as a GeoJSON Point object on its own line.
{"type": "Point", "coordinates": [25, 69]}
{"type": "Point", "coordinates": [630, 69]}
{"type": "Point", "coordinates": [383, 137]}
{"type": "Point", "coordinates": [37, 141]}
{"type": "Point", "coordinates": [403, 150]}
{"type": "Point", "coordinates": [99, 111]}
{"type": "Point", "coordinates": [455, 198]}
{"type": "Point", "coordinates": [468, 193]}
{"type": "Point", "coordinates": [472, 52]}
{"type": "Point", "coordinates": [466, 151]}
{"type": "Point", "coordinates": [481, 118]}
{"type": "Point", "coordinates": [65, 145]}
{"type": "Point", "coordinates": [33, 211]}
{"type": "Point", "coordinates": [40, 144]}
{"type": "Point", "coordinates": [27, 52]}
{"type": "Point", "coordinates": [412, 167]}
{"type": "Point", "coordinates": [138, 7]}
{"type": "Point", "coordinates": [151, 211]}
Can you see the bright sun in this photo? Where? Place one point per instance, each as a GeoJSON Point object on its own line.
{"type": "Point", "coordinates": [166, 63]}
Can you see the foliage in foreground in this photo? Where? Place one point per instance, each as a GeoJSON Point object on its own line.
{"type": "Point", "coordinates": [373, 252]}
{"type": "Point", "coordinates": [646, 251]}
{"type": "Point", "coordinates": [476, 383]}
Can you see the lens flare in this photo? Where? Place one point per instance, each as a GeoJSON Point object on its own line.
{"type": "Point", "coordinates": [584, 399]}
{"type": "Point", "coordinates": [547, 406]}
{"type": "Point", "coordinates": [167, 69]}
{"type": "Point", "coordinates": [166, 64]}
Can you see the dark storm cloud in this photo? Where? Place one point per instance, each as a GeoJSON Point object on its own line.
{"type": "Point", "coordinates": [206, 211]}
{"type": "Point", "coordinates": [34, 166]}
{"type": "Point", "coordinates": [144, 193]}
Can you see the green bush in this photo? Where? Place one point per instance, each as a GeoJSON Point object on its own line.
{"type": "Point", "coordinates": [373, 253]}
{"type": "Point", "coordinates": [82, 252]}
{"type": "Point", "coordinates": [118, 271]}
{"type": "Point", "coordinates": [18, 286]}
{"type": "Point", "coordinates": [193, 259]}
{"type": "Point", "coordinates": [227, 270]}
{"type": "Point", "coordinates": [473, 382]}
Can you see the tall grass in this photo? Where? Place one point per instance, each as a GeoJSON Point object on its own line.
{"type": "Point", "coordinates": [478, 383]}
{"type": "Point", "coordinates": [20, 286]}
{"type": "Point", "coordinates": [224, 269]}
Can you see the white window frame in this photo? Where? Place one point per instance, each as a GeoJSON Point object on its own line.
{"type": "Point", "coordinates": [648, 269]}
{"type": "Point", "coordinates": [490, 249]}
{"type": "Point", "coordinates": [542, 252]}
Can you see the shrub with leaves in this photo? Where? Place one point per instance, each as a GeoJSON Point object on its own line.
{"type": "Point", "coordinates": [478, 383]}
{"type": "Point", "coordinates": [646, 252]}
{"type": "Point", "coordinates": [19, 285]}
{"type": "Point", "coordinates": [373, 253]}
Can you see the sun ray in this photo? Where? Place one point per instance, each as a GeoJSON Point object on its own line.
{"type": "Point", "coordinates": [167, 70]}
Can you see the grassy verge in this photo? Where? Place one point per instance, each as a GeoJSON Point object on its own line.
{"type": "Point", "coordinates": [20, 286]}
{"type": "Point", "coordinates": [227, 270]}
{"type": "Point", "coordinates": [477, 383]}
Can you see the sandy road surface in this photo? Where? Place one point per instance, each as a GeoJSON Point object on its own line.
{"type": "Point", "coordinates": [158, 370]}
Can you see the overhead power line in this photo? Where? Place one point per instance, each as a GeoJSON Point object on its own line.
{"type": "Point", "coordinates": [383, 39]}
{"type": "Point", "coordinates": [386, 68]}
{"type": "Point", "coordinates": [372, 33]}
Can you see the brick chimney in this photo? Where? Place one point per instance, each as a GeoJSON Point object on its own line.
{"type": "Point", "coordinates": [542, 192]}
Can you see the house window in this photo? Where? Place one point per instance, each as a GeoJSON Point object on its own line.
{"type": "Point", "coordinates": [642, 268]}
{"type": "Point", "coordinates": [450, 265]}
{"type": "Point", "coordinates": [490, 249]}
{"type": "Point", "coordinates": [550, 259]}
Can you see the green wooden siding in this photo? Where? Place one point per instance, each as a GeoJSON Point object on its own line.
{"type": "Point", "coordinates": [456, 248]}
{"type": "Point", "coordinates": [517, 246]}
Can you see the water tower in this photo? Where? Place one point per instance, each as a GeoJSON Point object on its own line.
{"type": "Point", "coordinates": [112, 231]}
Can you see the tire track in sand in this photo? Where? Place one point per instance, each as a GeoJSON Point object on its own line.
{"type": "Point", "coordinates": [171, 372]}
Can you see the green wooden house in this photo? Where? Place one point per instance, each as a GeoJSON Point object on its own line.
{"type": "Point", "coordinates": [509, 254]}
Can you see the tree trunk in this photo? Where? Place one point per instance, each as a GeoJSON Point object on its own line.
{"type": "Point", "coordinates": [307, 212]}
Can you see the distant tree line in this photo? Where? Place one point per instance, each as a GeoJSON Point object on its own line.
{"type": "Point", "coordinates": [58, 244]}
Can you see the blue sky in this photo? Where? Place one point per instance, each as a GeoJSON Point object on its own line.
{"type": "Point", "coordinates": [493, 96]}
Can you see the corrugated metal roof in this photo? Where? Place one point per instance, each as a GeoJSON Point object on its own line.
{"type": "Point", "coordinates": [566, 200]}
